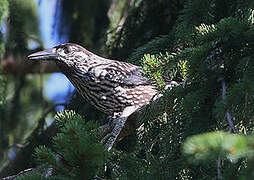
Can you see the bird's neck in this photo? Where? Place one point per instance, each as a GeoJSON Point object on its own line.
{"type": "Point", "coordinates": [64, 68]}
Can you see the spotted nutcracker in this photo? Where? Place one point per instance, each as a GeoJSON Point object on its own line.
{"type": "Point", "coordinates": [115, 88]}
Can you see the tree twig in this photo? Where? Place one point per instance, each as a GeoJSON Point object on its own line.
{"type": "Point", "coordinates": [227, 114]}
{"type": "Point", "coordinates": [22, 159]}
{"type": "Point", "coordinates": [230, 122]}
{"type": "Point", "coordinates": [22, 67]}
{"type": "Point", "coordinates": [219, 176]}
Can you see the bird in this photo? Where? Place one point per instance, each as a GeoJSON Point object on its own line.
{"type": "Point", "coordinates": [116, 88]}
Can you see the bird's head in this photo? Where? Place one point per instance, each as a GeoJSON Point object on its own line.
{"type": "Point", "coordinates": [67, 54]}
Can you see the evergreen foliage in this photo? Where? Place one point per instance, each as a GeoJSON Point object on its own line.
{"type": "Point", "coordinates": [201, 129]}
{"type": "Point", "coordinates": [145, 21]}
{"type": "Point", "coordinates": [39, 177]}
{"type": "Point", "coordinates": [235, 150]}
{"type": "Point", "coordinates": [83, 22]}
{"type": "Point", "coordinates": [77, 152]}
{"type": "Point", "coordinates": [210, 48]}
{"type": "Point", "coordinates": [3, 14]}
{"type": "Point", "coordinates": [18, 38]}
{"type": "Point", "coordinates": [20, 27]}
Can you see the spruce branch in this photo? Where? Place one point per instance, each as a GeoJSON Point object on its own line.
{"type": "Point", "coordinates": [245, 120]}
{"type": "Point", "coordinates": [184, 82]}
{"type": "Point", "coordinates": [13, 65]}
{"type": "Point", "coordinates": [219, 176]}
{"type": "Point", "coordinates": [81, 154]}
{"type": "Point", "coordinates": [227, 114]}
{"type": "Point", "coordinates": [231, 125]}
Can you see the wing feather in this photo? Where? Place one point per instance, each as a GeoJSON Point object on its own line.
{"type": "Point", "coordinates": [123, 73]}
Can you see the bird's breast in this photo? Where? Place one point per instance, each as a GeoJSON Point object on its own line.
{"type": "Point", "coordinates": [109, 96]}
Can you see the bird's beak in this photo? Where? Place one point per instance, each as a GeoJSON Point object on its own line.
{"type": "Point", "coordinates": [44, 55]}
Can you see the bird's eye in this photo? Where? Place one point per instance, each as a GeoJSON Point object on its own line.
{"type": "Point", "coordinates": [66, 50]}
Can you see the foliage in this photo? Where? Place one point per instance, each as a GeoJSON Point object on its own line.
{"type": "Point", "coordinates": [20, 27]}
{"type": "Point", "coordinates": [22, 13]}
{"type": "Point", "coordinates": [3, 14]}
{"type": "Point", "coordinates": [146, 20]}
{"type": "Point", "coordinates": [37, 176]}
{"type": "Point", "coordinates": [77, 153]}
{"type": "Point", "coordinates": [232, 148]}
{"type": "Point", "coordinates": [201, 129]}
{"type": "Point", "coordinates": [211, 51]}
{"type": "Point", "coordinates": [3, 10]}
{"type": "Point", "coordinates": [83, 22]}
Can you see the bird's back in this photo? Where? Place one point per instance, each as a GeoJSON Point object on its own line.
{"type": "Point", "coordinates": [113, 85]}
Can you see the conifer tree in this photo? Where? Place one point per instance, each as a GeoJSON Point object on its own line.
{"type": "Point", "coordinates": [210, 49]}
{"type": "Point", "coordinates": [200, 129]}
{"type": "Point", "coordinates": [3, 13]}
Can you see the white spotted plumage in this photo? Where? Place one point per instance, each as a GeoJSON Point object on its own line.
{"type": "Point", "coordinates": [109, 85]}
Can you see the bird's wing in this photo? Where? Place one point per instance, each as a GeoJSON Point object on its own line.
{"type": "Point", "coordinates": [124, 73]}
{"type": "Point", "coordinates": [133, 77]}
